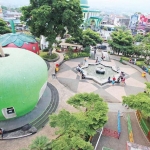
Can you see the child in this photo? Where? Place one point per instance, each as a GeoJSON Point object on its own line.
{"type": "Point", "coordinates": [97, 60]}
{"type": "Point", "coordinates": [113, 81]}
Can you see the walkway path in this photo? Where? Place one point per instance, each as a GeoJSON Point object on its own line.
{"type": "Point", "coordinates": [68, 82]}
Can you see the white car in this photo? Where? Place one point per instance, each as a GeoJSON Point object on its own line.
{"type": "Point", "coordinates": [141, 32]}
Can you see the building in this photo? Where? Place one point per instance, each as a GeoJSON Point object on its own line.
{"type": "Point", "coordinates": [23, 82]}
{"type": "Point", "coordinates": [92, 17]}
{"type": "Point", "coordinates": [121, 20]}
{"type": "Point", "coordinates": [147, 28]}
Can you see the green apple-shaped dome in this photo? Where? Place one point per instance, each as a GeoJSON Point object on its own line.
{"type": "Point", "coordinates": [23, 79]}
{"type": "Point", "coordinates": [84, 3]}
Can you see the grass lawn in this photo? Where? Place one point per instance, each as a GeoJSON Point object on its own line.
{"type": "Point", "coordinates": [44, 55]}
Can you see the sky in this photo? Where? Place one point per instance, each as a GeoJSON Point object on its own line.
{"type": "Point", "coordinates": [104, 5]}
{"type": "Point", "coordinates": [122, 5]}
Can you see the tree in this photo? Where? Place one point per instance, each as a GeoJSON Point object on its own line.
{"type": "Point", "coordinates": [52, 18]}
{"type": "Point", "coordinates": [141, 101]}
{"type": "Point", "coordinates": [3, 27]}
{"type": "Point", "coordinates": [122, 41]}
{"type": "Point", "coordinates": [40, 143]}
{"type": "Point", "coordinates": [138, 38]}
{"type": "Point", "coordinates": [95, 110]}
{"type": "Point", "coordinates": [66, 142]}
{"type": "Point", "coordinates": [87, 38]}
{"type": "Point", "coordinates": [74, 129]}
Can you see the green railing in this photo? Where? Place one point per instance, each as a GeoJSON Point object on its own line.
{"type": "Point", "coordinates": [143, 125]}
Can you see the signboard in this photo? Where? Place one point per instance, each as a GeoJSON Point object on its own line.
{"type": "Point", "coordinates": [142, 22]}
{"type": "Point", "coordinates": [133, 22]}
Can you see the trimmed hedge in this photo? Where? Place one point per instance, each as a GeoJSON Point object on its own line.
{"type": "Point", "coordinates": [125, 58]}
{"type": "Point", "coordinates": [140, 63]}
{"type": "Point", "coordinates": [76, 55]}
{"type": "Point", "coordinates": [44, 55]}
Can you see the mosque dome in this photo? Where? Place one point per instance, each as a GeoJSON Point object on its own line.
{"type": "Point", "coordinates": [84, 3]}
{"type": "Point", "coordinates": [23, 80]}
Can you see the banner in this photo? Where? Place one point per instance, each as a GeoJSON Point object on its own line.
{"type": "Point", "coordinates": [142, 22]}
{"type": "Point", "coordinates": [133, 22]}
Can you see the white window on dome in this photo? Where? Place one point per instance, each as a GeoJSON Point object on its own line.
{"type": "Point", "coordinates": [33, 48]}
{"type": "Point", "coordinates": [9, 112]}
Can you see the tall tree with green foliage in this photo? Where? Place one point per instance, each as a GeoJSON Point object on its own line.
{"type": "Point", "coordinates": [121, 41]}
{"type": "Point", "coordinates": [87, 38]}
{"type": "Point", "coordinates": [53, 17]}
{"type": "Point", "coordinates": [3, 27]}
{"type": "Point", "coordinates": [79, 126]}
{"type": "Point", "coordinates": [67, 142]}
{"type": "Point", "coordinates": [95, 109]}
{"type": "Point", "coordinates": [141, 101]}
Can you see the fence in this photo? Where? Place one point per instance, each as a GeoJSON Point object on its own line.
{"type": "Point", "coordinates": [143, 125]}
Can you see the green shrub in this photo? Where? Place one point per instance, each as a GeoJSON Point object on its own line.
{"type": "Point", "coordinates": [45, 50]}
{"type": "Point", "coordinates": [84, 54]}
{"type": "Point", "coordinates": [140, 59]}
{"type": "Point", "coordinates": [125, 58]}
{"type": "Point", "coordinates": [87, 49]}
{"type": "Point", "coordinates": [149, 71]}
{"type": "Point", "coordinates": [45, 55]}
{"type": "Point", "coordinates": [140, 63]}
{"type": "Point", "coordinates": [74, 55]}
{"type": "Point", "coordinates": [66, 57]}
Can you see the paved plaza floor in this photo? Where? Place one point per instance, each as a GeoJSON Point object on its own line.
{"type": "Point", "coordinates": [69, 82]}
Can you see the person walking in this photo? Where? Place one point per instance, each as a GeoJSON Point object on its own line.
{"type": "Point", "coordinates": [97, 60]}
{"type": "Point", "coordinates": [123, 81]}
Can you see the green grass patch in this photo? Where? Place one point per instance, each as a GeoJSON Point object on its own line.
{"type": "Point", "coordinates": [45, 55]}
{"type": "Point", "coordinates": [125, 58]}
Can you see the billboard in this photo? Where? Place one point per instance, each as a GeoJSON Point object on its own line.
{"type": "Point", "coordinates": [142, 22]}
{"type": "Point", "coordinates": [133, 22]}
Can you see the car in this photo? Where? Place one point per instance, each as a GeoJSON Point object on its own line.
{"type": "Point", "coordinates": [141, 32]}
{"type": "Point", "coordinates": [103, 47]}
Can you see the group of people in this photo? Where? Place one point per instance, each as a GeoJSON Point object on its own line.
{"type": "Point", "coordinates": [133, 61]}
{"type": "Point", "coordinates": [79, 69]}
{"type": "Point", "coordinates": [120, 79]}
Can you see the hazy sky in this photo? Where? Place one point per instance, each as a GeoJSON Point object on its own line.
{"type": "Point", "coordinates": [122, 5]}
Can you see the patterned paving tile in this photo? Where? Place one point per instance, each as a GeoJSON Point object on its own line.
{"type": "Point", "coordinates": [86, 87]}
{"type": "Point", "coordinates": [133, 90]}
{"type": "Point", "coordinates": [67, 74]}
{"type": "Point", "coordinates": [116, 91]}
{"type": "Point", "coordinates": [133, 82]}
{"type": "Point", "coordinates": [72, 64]}
{"type": "Point", "coordinates": [63, 68]}
{"type": "Point", "coordinates": [128, 70]}
{"type": "Point", "coordinates": [73, 86]}
{"type": "Point", "coordinates": [111, 63]}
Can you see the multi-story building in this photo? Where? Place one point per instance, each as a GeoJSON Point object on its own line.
{"type": "Point", "coordinates": [91, 16]}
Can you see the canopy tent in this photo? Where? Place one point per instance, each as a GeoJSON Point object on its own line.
{"type": "Point", "coordinates": [71, 45]}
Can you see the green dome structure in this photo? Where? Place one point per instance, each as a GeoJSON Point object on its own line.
{"type": "Point", "coordinates": [23, 80]}
{"type": "Point", "coordinates": [84, 3]}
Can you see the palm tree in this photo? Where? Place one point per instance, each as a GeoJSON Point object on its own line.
{"type": "Point", "coordinates": [40, 143]}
